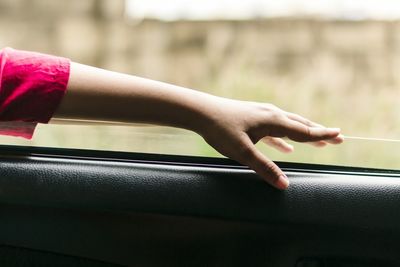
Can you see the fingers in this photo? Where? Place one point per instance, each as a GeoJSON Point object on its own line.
{"type": "Point", "coordinates": [301, 133]}
{"type": "Point", "coordinates": [337, 140]}
{"type": "Point", "coordinates": [303, 120]}
{"type": "Point", "coordinates": [279, 144]}
{"type": "Point", "coordinates": [263, 166]}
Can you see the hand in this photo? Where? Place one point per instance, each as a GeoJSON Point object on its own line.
{"type": "Point", "coordinates": [236, 126]}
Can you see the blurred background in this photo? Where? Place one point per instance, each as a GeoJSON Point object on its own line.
{"type": "Point", "coordinates": [333, 61]}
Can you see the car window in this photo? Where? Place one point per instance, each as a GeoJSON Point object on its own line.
{"type": "Point", "coordinates": [333, 61]}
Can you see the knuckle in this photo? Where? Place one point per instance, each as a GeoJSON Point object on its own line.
{"type": "Point", "coordinates": [245, 152]}
{"type": "Point", "coordinates": [269, 107]}
{"type": "Point", "coordinates": [308, 132]}
{"type": "Point", "coordinates": [276, 116]}
{"type": "Point", "coordinates": [273, 172]}
{"type": "Point", "coordinates": [272, 167]}
{"type": "Point", "coordinates": [303, 134]}
{"type": "Point", "coordinates": [307, 122]}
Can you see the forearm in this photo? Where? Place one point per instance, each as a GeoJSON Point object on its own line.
{"type": "Point", "coordinates": [96, 94]}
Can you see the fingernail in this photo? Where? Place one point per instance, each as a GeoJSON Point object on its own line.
{"type": "Point", "coordinates": [283, 182]}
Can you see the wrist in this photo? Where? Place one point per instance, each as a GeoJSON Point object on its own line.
{"type": "Point", "coordinates": [204, 114]}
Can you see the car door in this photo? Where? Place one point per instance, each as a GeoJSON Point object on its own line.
{"type": "Point", "coordinates": [68, 207]}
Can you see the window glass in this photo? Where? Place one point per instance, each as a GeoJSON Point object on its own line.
{"type": "Point", "coordinates": [333, 61]}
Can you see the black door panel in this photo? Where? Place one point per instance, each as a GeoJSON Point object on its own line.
{"type": "Point", "coordinates": [105, 209]}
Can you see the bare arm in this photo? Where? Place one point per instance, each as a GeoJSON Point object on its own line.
{"type": "Point", "coordinates": [232, 127]}
{"type": "Point", "coordinates": [97, 94]}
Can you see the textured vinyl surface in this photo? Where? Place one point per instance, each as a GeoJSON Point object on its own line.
{"type": "Point", "coordinates": [151, 213]}
{"type": "Point", "coordinates": [223, 193]}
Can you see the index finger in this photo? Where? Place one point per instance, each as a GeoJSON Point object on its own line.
{"type": "Point", "coordinates": [337, 140]}
{"type": "Point", "coordinates": [301, 133]}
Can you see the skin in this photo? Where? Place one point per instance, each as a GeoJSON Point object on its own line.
{"type": "Point", "coordinates": [232, 127]}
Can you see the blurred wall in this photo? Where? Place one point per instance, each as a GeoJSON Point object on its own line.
{"type": "Point", "coordinates": [340, 54]}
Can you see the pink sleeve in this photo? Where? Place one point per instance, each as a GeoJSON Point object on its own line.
{"type": "Point", "coordinates": [32, 86]}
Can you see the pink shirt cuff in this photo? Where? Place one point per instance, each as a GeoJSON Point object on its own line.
{"type": "Point", "coordinates": [32, 86]}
